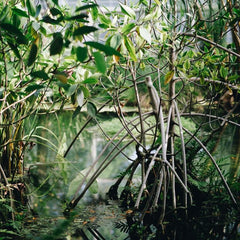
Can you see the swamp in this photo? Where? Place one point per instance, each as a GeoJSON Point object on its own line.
{"type": "Point", "coordinates": [120, 120]}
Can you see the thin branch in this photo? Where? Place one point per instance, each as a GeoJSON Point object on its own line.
{"type": "Point", "coordinates": [212, 43]}
{"type": "Point", "coordinates": [102, 166]}
{"type": "Point", "coordinates": [125, 124]}
{"type": "Point", "coordinates": [183, 149]}
{"type": "Point", "coordinates": [144, 181]}
{"type": "Point", "coordinates": [9, 190]}
{"type": "Point", "coordinates": [89, 120]}
{"type": "Point", "coordinates": [160, 181]}
{"type": "Point", "coordinates": [142, 138]}
{"type": "Point", "coordinates": [109, 139]}
{"type": "Point", "coordinates": [210, 116]}
{"type": "Point", "coordinates": [216, 166]}
{"type": "Point", "coordinates": [194, 79]}
{"type": "Point", "coordinates": [163, 210]}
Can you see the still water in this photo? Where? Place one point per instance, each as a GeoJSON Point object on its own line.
{"type": "Point", "coordinates": [45, 162]}
{"type": "Point", "coordinates": [53, 180]}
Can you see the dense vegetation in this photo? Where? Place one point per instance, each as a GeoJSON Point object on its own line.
{"type": "Point", "coordinates": [176, 63]}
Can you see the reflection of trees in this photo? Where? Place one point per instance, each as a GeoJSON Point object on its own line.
{"type": "Point", "coordinates": [45, 174]}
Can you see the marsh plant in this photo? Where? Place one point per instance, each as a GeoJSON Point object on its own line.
{"type": "Point", "coordinates": [174, 61]}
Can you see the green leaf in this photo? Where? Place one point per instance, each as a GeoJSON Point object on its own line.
{"type": "Point", "coordinates": [223, 72]}
{"type": "Point", "coordinates": [61, 76]}
{"type": "Point", "coordinates": [48, 19]}
{"type": "Point", "coordinates": [191, 53]}
{"type": "Point", "coordinates": [106, 21]}
{"type": "Point", "coordinates": [16, 20]}
{"type": "Point", "coordinates": [32, 55]}
{"type": "Point", "coordinates": [84, 30]}
{"type": "Point", "coordinates": [144, 2]}
{"type": "Point", "coordinates": [86, 7]}
{"type": "Point", "coordinates": [236, 11]}
{"type": "Point", "coordinates": [142, 65]}
{"type": "Point", "coordinates": [85, 91]}
{"type": "Point", "coordinates": [91, 109]}
{"type": "Point", "coordinates": [151, 15]}
{"type": "Point", "coordinates": [104, 48]}
{"type": "Point", "coordinates": [76, 112]}
{"type": "Point", "coordinates": [6, 231]}
{"type": "Point", "coordinates": [127, 10]}
{"type": "Point", "coordinates": [30, 8]}
{"type": "Point", "coordinates": [187, 64]}
{"type": "Point", "coordinates": [90, 80]}
{"type": "Point", "coordinates": [79, 17]}
{"type": "Point", "coordinates": [72, 89]}
{"type": "Point", "coordinates": [40, 74]}
{"type": "Point", "coordinates": [94, 13]}
{"type": "Point", "coordinates": [115, 41]}
{"type": "Point", "coordinates": [21, 39]}
{"type": "Point", "coordinates": [233, 77]}
{"type": "Point", "coordinates": [38, 10]}
{"type": "Point", "coordinates": [15, 49]}
{"type": "Point", "coordinates": [55, 2]}
{"type": "Point", "coordinates": [157, 2]}
{"type": "Point", "coordinates": [102, 25]}
{"type": "Point", "coordinates": [168, 77]}
{"type": "Point", "coordinates": [43, 30]}
{"type": "Point", "coordinates": [127, 28]}
{"type": "Point", "coordinates": [33, 87]}
{"type": "Point", "coordinates": [20, 12]}
{"type": "Point", "coordinates": [81, 53]}
{"type": "Point", "coordinates": [57, 44]}
{"type": "Point", "coordinates": [80, 97]}
{"type": "Point", "coordinates": [2, 90]}
{"type": "Point", "coordinates": [145, 34]}
{"type": "Point", "coordinates": [130, 47]}
{"type": "Point", "coordinates": [10, 28]}
{"type": "Point", "coordinates": [4, 13]}
{"type": "Point", "coordinates": [100, 62]}
{"type": "Point", "coordinates": [55, 11]}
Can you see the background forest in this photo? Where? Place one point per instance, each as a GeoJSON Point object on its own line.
{"type": "Point", "coordinates": [157, 80]}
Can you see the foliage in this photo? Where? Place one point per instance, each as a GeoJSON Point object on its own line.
{"type": "Point", "coordinates": [171, 60]}
{"type": "Point", "coordinates": [41, 60]}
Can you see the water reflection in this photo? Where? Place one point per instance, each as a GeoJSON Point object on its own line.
{"type": "Point", "coordinates": [50, 175]}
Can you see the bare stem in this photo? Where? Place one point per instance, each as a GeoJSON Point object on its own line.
{"type": "Point", "coordinates": [216, 166]}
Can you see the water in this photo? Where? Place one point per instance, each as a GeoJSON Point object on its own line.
{"type": "Point", "coordinates": [50, 175]}
{"type": "Point", "coordinates": [51, 178]}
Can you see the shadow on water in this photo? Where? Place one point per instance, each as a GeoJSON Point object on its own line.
{"type": "Point", "coordinates": [52, 181]}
